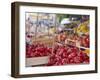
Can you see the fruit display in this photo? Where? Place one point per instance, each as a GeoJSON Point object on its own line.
{"type": "Point", "coordinates": [85, 41]}
{"type": "Point", "coordinates": [61, 37]}
{"type": "Point", "coordinates": [63, 41]}
{"type": "Point", "coordinates": [63, 55]}
{"type": "Point", "coordinates": [58, 55]}
{"type": "Point", "coordinates": [83, 28]}
{"type": "Point", "coordinates": [37, 50]}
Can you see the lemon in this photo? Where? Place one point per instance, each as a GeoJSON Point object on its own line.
{"type": "Point", "coordinates": [83, 28]}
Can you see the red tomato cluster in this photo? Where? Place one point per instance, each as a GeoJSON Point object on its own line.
{"type": "Point", "coordinates": [58, 55]}
{"type": "Point", "coordinates": [85, 41]}
{"type": "Point", "coordinates": [37, 50]}
{"type": "Point", "coordinates": [66, 55]}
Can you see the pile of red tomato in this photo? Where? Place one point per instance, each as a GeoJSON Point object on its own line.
{"type": "Point", "coordinates": [37, 50]}
{"type": "Point", "coordinates": [58, 55]}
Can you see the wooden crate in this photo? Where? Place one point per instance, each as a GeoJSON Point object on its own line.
{"type": "Point", "coordinates": [36, 61]}
{"type": "Point", "coordinates": [46, 41]}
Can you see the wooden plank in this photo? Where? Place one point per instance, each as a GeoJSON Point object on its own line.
{"type": "Point", "coordinates": [37, 61]}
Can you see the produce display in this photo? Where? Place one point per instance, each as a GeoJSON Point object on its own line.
{"type": "Point", "coordinates": [85, 41]}
{"type": "Point", "coordinates": [63, 55]}
{"type": "Point", "coordinates": [59, 55]}
{"type": "Point", "coordinates": [83, 28]}
{"type": "Point", "coordinates": [63, 41]}
{"type": "Point", "coordinates": [37, 50]}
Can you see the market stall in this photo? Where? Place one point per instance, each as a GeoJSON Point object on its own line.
{"type": "Point", "coordinates": [58, 42]}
